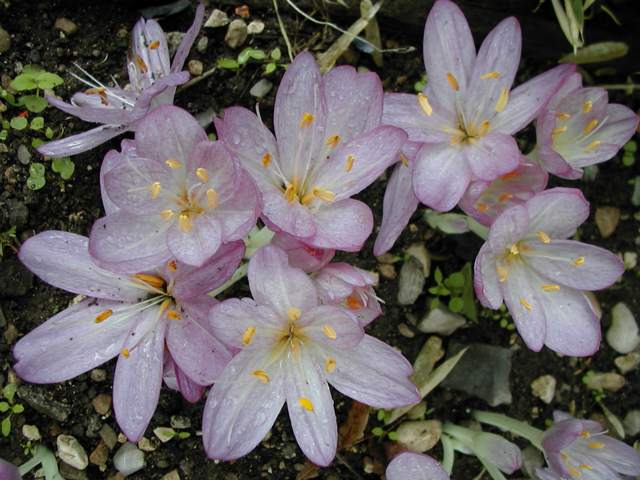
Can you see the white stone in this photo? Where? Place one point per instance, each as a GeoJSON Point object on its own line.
{"type": "Point", "coordinates": [420, 435]}
{"type": "Point", "coordinates": [261, 88]}
{"type": "Point", "coordinates": [71, 452]}
{"type": "Point", "coordinates": [236, 33]}
{"type": "Point", "coordinates": [632, 423]}
{"type": "Point", "coordinates": [31, 432]}
{"type": "Point", "coordinates": [255, 27]}
{"type": "Point", "coordinates": [164, 434]}
{"type": "Point", "coordinates": [627, 363]}
{"type": "Point", "coordinates": [622, 335]}
{"type": "Point", "coordinates": [218, 18]}
{"type": "Point", "coordinates": [441, 321]}
{"type": "Point", "coordinates": [128, 459]}
{"type": "Point", "coordinates": [544, 388]}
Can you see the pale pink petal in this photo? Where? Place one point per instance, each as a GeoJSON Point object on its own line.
{"type": "Point", "coordinates": [508, 229]}
{"type": "Point", "coordinates": [558, 211]}
{"type": "Point", "coordinates": [110, 115]}
{"type": "Point", "coordinates": [137, 382]}
{"type": "Point", "coordinates": [441, 175]}
{"type": "Point", "coordinates": [331, 326]}
{"type": "Point", "coordinates": [485, 279]}
{"type": "Point", "coordinates": [188, 39]}
{"type": "Point", "coordinates": [194, 247]}
{"type": "Point", "coordinates": [190, 390]}
{"type": "Point", "coordinates": [343, 225]}
{"type": "Point", "coordinates": [146, 322]}
{"type": "Point", "coordinates": [129, 243]}
{"type": "Point", "coordinates": [448, 50]}
{"type": "Point", "coordinates": [292, 218]}
{"type": "Point", "coordinates": [274, 283]}
{"type": "Point", "coordinates": [493, 155]}
{"type": "Point", "coordinates": [71, 342]}
{"type": "Point", "coordinates": [241, 408]}
{"type": "Point", "coordinates": [81, 142]}
{"type": "Point", "coordinates": [144, 63]}
{"type": "Point", "coordinates": [310, 409]}
{"type": "Point", "coordinates": [238, 215]}
{"type": "Point", "coordinates": [300, 254]}
{"type": "Point", "coordinates": [62, 260]}
{"type": "Point", "coordinates": [381, 384]}
{"type": "Point", "coordinates": [111, 160]}
{"type": "Point", "coordinates": [336, 281]}
{"type": "Point", "coordinates": [222, 170]}
{"type": "Point", "coordinates": [415, 466]}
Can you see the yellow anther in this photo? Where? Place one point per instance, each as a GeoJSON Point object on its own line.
{"type": "Point", "coordinates": [505, 197]}
{"type": "Point", "coordinates": [166, 303]}
{"type": "Point", "coordinates": [453, 83]}
{"type": "Point", "coordinates": [333, 141]}
{"type": "Point", "coordinates": [293, 314]}
{"type": "Point", "coordinates": [172, 265]}
{"type": "Point", "coordinates": [353, 303]}
{"type": "Point", "coordinates": [575, 473]}
{"type": "Point", "coordinates": [509, 176]}
{"type": "Point", "coordinates": [202, 174]}
{"type": "Point", "coordinates": [155, 44]}
{"type": "Point", "coordinates": [212, 198]}
{"type": "Point", "coordinates": [488, 75]}
{"type": "Point", "coordinates": [593, 146]}
{"type": "Point", "coordinates": [584, 466]}
{"type": "Point", "coordinates": [502, 100]}
{"type": "Point", "coordinates": [585, 434]}
{"type": "Point", "coordinates": [184, 222]}
{"type": "Point", "coordinates": [102, 316]}
{"type": "Point", "coordinates": [306, 120]}
{"type": "Point", "coordinates": [426, 107]}
{"type": "Point", "coordinates": [143, 66]}
{"type": "Point", "coordinates": [578, 261]}
{"type": "Point", "coordinates": [248, 334]}
{"type": "Point", "coordinates": [482, 207]}
{"type": "Point", "coordinates": [563, 116]}
{"type": "Point", "coordinates": [125, 352]}
{"type": "Point", "coordinates": [329, 332]}
{"type": "Point", "coordinates": [95, 91]}
{"type": "Point", "coordinates": [587, 106]}
{"type": "Point", "coordinates": [173, 315]}
{"type": "Point", "coordinates": [290, 193]}
{"type": "Point", "coordinates": [306, 404]}
{"type": "Point", "coordinates": [404, 160]}
{"type": "Point", "coordinates": [525, 304]}
{"type": "Point", "coordinates": [550, 288]}
{"type": "Point", "coordinates": [596, 445]}
{"type": "Point", "coordinates": [484, 128]}
{"type": "Point", "coordinates": [349, 163]}
{"type": "Point", "coordinates": [514, 250]}
{"type": "Point", "coordinates": [322, 194]}
{"type": "Point", "coordinates": [152, 280]}
{"type": "Point", "coordinates": [155, 188]}
{"type": "Point", "coordinates": [266, 159]}
{"type": "Point", "coordinates": [544, 238]}
{"type": "Point", "coordinates": [166, 214]}
{"type": "Point", "coordinates": [173, 163]}
{"type": "Point", "coordinates": [261, 375]}
{"type": "Point", "coordinates": [588, 128]}
{"type": "Point", "coordinates": [559, 130]}
{"type": "Point", "coordinates": [329, 365]}
{"type": "Point", "coordinates": [503, 274]}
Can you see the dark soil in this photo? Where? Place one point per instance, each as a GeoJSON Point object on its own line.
{"type": "Point", "coordinates": [100, 45]}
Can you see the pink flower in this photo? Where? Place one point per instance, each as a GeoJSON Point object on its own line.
{"type": "Point", "coordinates": [153, 82]}
{"type": "Point", "coordinates": [328, 146]}
{"type": "Point", "coordinates": [301, 255]}
{"type": "Point", "coordinates": [414, 466]}
{"type": "Point", "coordinates": [541, 276]}
{"type": "Point", "coordinates": [8, 471]}
{"type": "Point", "coordinates": [137, 317]}
{"type": "Point", "coordinates": [290, 348]}
{"type": "Point", "coordinates": [177, 195]}
{"type": "Point", "coordinates": [579, 127]}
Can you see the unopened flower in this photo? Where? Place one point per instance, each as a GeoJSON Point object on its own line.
{"type": "Point", "coordinates": [152, 79]}
{"type": "Point", "coordinates": [290, 348]}
{"type": "Point", "coordinates": [135, 317]}
{"type": "Point", "coordinates": [415, 466]}
{"type": "Point", "coordinates": [350, 287]}
{"type": "Point", "coordinates": [541, 276]}
{"type": "Point", "coordinates": [484, 200]}
{"type": "Point", "coordinates": [301, 255]}
{"type": "Point", "coordinates": [579, 127]}
{"type": "Point", "coordinates": [467, 114]}
{"type": "Point", "coordinates": [8, 471]}
{"type": "Point", "coordinates": [328, 146]}
{"type": "Point", "coordinates": [581, 449]}
{"type": "Point", "coordinates": [178, 196]}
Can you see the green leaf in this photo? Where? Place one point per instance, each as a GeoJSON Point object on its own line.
{"type": "Point", "coordinates": [33, 103]}
{"type": "Point", "coordinates": [456, 304]}
{"type": "Point", "coordinates": [276, 54]}
{"type": "Point", "coordinates": [631, 146]}
{"type": "Point", "coordinates": [269, 68]}
{"type": "Point", "coordinates": [228, 63]}
{"type": "Point", "coordinates": [23, 82]}
{"type": "Point", "coordinates": [35, 183]}
{"type": "Point", "coordinates": [48, 80]}
{"type": "Point", "coordinates": [437, 276]}
{"type": "Point", "coordinates": [37, 123]}
{"type": "Point", "coordinates": [183, 435]}
{"type": "Point", "coordinates": [9, 391]}
{"type": "Point", "coordinates": [393, 436]}
{"type": "Point", "coordinates": [250, 53]}
{"type": "Point", "coordinates": [64, 166]}
{"type": "Point", "coordinates": [36, 169]}
{"type": "Point", "coordinates": [468, 296]}
{"type": "Point", "coordinates": [455, 280]}
{"type": "Point", "coordinates": [36, 142]}
{"type": "Point", "coordinates": [19, 123]}
{"type": "Point", "coordinates": [377, 431]}
{"type": "Point", "coordinates": [3, 135]}
{"type": "Point", "coordinates": [17, 408]}
{"type": "Point", "coordinates": [48, 133]}
{"type": "Point", "coordinates": [597, 52]}
{"type": "Point", "coordinates": [6, 426]}
{"type": "Point", "coordinates": [4, 406]}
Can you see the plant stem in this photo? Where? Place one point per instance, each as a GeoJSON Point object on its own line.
{"type": "Point", "coordinates": [448, 454]}
{"type": "Point", "coordinates": [522, 429]}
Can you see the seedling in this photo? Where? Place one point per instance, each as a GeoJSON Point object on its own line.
{"type": "Point", "coordinates": [9, 407]}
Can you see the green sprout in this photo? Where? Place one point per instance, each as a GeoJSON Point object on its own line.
{"type": "Point", "coordinates": [271, 61]}
{"type": "Point", "coordinates": [64, 166]}
{"type": "Point", "coordinates": [8, 239]}
{"type": "Point", "coordinates": [459, 288]}
{"type": "Point", "coordinates": [34, 78]}
{"type": "Point", "coordinates": [36, 176]}
{"type": "Point", "coordinates": [9, 407]}
{"type": "Point", "coordinates": [629, 153]}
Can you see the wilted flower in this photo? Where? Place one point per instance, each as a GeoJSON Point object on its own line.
{"type": "Point", "coordinates": [467, 114]}
{"type": "Point", "coordinates": [178, 196]}
{"type": "Point", "coordinates": [301, 255]}
{"type": "Point", "coordinates": [135, 317]}
{"type": "Point", "coordinates": [542, 277]}
{"type": "Point", "coordinates": [152, 79]}
{"type": "Point", "coordinates": [414, 466]}
{"type": "Point", "coordinates": [484, 200]}
{"type": "Point", "coordinates": [581, 449]}
{"type": "Point", "coordinates": [8, 471]}
{"type": "Point", "coordinates": [290, 348]}
{"type": "Point", "coordinates": [350, 287]}
{"type": "Point", "coordinates": [579, 127]}
{"type": "Point", "coordinates": [328, 146]}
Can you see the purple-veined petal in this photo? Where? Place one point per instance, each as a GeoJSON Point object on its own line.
{"type": "Point", "coordinates": [292, 218]}
{"type": "Point", "coordinates": [221, 170]}
{"type": "Point", "coordinates": [381, 384]}
{"type": "Point", "coordinates": [274, 283]}
{"type": "Point", "coordinates": [574, 264]}
{"type": "Point", "coordinates": [336, 281]}
{"type": "Point", "coordinates": [415, 466]}
{"type": "Point", "coordinates": [485, 279]}
{"type": "Point", "coordinates": [62, 260]}
{"type": "Point", "coordinates": [300, 254]}
{"type": "Point", "coordinates": [168, 132]}
{"type": "Point", "coordinates": [129, 243]}
{"type": "Point", "coordinates": [239, 214]}
{"type": "Point", "coordinates": [449, 52]}
{"type": "Point", "coordinates": [191, 282]}
{"type": "Point", "coordinates": [493, 155]}
{"type": "Point", "coordinates": [108, 115]}
{"type": "Point", "coordinates": [197, 244]}
{"type": "Point", "coordinates": [560, 436]}
{"type": "Point", "coordinates": [81, 142]}
{"type": "Point", "coordinates": [619, 456]}
{"type": "Point", "coordinates": [160, 93]}
{"type": "Point", "coordinates": [528, 99]}
{"type": "Point", "coordinates": [190, 390]}
{"type": "Point", "coordinates": [356, 165]}
{"type": "Point", "coordinates": [234, 422]}
{"type": "Point", "coordinates": [137, 382]}
{"type": "Point", "coordinates": [310, 409]}
{"type": "Point", "coordinates": [146, 322]}
{"type": "Point", "coordinates": [508, 228]}
{"type": "Point", "coordinates": [441, 175]}
{"type": "Point", "coordinates": [545, 152]}
{"type": "Point", "coordinates": [71, 342]}
{"type": "Point", "coordinates": [111, 160]}
{"type": "Point", "coordinates": [331, 326]}
{"type": "Point", "coordinates": [188, 39]}
{"type": "Point", "coordinates": [558, 212]}
{"type": "Point", "coordinates": [343, 225]}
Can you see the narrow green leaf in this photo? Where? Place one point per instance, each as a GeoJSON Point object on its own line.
{"type": "Point", "coordinates": [6, 426]}
{"type": "Point", "coordinates": [9, 391]}
{"type": "Point", "coordinates": [228, 63]}
{"type": "Point", "coordinates": [597, 52]}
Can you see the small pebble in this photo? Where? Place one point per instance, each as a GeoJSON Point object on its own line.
{"type": "Point", "coordinates": [628, 362]}
{"type": "Point", "coordinates": [387, 270]}
{"type": "Point", "coordinates": [195, 67]}
{"type": "Point", "coordinates": [411, 281]}
{"type": "Point", "coordinates": [202, 44]}
{"type": "Point", "coordinates": [146, 445]}
{"type": "Point", "coordinates": [100, 454]}
{"type": "Point", "coordinates": [180, 422]}
{"type": "Point", "coordinates": [255, 27]}
{"type": "Point", "coordinates": [632, 423]}
{"type": "Point", "coordinates": [630, 260]}
{"type": "Point", "coordinates": [108, 436]}
{"type": "Point", "coordinates": [420, 435]}
{"type": "Point", "coordinates": [607, 219]}
{"type": "Point", "coordinates": [65, 25]}
{"type": "Point", "coordinates": [98, 375]}
{"type": "Point", "coordinates": [174, 39]}
{"type": "Point", "coordinates": [544, 388]}
{"type": "Point", "coordinates": [610, 381]}
{"type": "Point", "coordinates": [5, 41]}
{"type": "Point", "coordinates": [441, 321]}
{"type": "Point", "coordinates": [164, 434]}
{"type": "Point", "coordinates": [24, 155]}
{"type": "Point", "coordinates": [31, 432]}
{"type": "Point", "coordinates": [128, 459]}
{"type": "Point", "coordinates": [236, 33]}
{"type": "Point", "coordinates": [218, 18]}
{"type": "Point", "coordinates": [71, 452]}
{"type": "Point", "coordinates": [102, 403]}
{"type": "Point", "coordinates": [172, 475]}
{"type": "Point", "coordinates": [261, 88]}
{"type": "Point", "coordinates": [623, 334]}
{"type": "Point", "coordinates": [405, 331]}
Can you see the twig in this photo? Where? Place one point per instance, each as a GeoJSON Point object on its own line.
{"type": "Point", "coordinates": [349, 467]}
{"type": "Point", "coordinates": [621, 86]}
{"type": "Point", "coordinates": [196, 80]}
{"type": "Point", "coordinates": [283, 30]}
